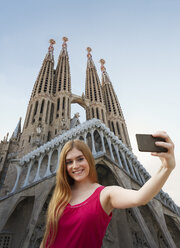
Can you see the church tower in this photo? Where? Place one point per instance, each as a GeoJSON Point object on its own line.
{"type": "Point", "coordinates": [62, 92]}
{"type": "Point", "coordinates": [40, 108]}
{"type": "Point", "coordinates": [93, 92]}
{"type": "Point", "coordinates": [8, 150]}
{"type": "Point", "coordinates": [114, 114]}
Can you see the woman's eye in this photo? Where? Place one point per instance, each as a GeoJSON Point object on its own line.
{"type": "Point", "coordinates": [80, 159]}
{"type": "Point", "coordinates": [68, 162]}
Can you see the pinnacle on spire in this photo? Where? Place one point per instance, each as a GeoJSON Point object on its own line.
{"type": "Point", "coordinates": [90, 62]}
{"type": "Point", "coordinates": [89, 50]}
{"type": "Point", "coordinates": [103, 68]}
{"type": "Point", "coordinates": [50, 49]}
{"type": "Point", "coordinates": [17, 130]}
{"type": "Point", "coordinates": [105, 76]}
{"type": "Point", "coordinates": [65, 39]}
{"type": "Point", "coordinates": [64, 46]}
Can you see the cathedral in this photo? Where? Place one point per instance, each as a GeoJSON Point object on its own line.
{"type": "Point", "coordinates": [30, 157]}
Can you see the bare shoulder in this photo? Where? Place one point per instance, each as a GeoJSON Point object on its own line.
{"type": "Point", "coordinates": [105, 198]}
{"type": "Point", "coordinates": [118, 197]}
{"type": "Point", "coordinates": [109, 189]}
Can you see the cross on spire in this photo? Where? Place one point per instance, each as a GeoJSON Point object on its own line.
{"type": "Point", "coordinates": [51, 48]}
{"type": "Point", "coordinates": [65, 39]}
{"type": "Point", "coordinates": [89, 50]}
{"type": "Point", "coordinates": [103, 68]}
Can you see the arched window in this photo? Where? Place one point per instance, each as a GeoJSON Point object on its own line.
{"type": "Point", "coordinates": [49, 136]}
{"type": "Point", "coordinates": [58, 107]}
{"type": "Point", "coordinates": [58, 103]}
{"type": "Point", "coordinates": [97, 113]}
{"type": "Point", "coordinates": [117, 125]}
{"type": "Point", "coordinates": [51, 113]}
{"type": "Point", "coordinates": [42, 106]}
{"type": "Point", "coordinates": [92, 113]}
{"type": "Point", "coordinates": [113, 129]}
{"type": "Point", "coordinates": [27, 123]}
{"type": "Point", "coordinates": [35, 111]}
{"type": "Point", "coordinates": [47, 111]}
{"type": "Point", "coordinates": [63, 105]}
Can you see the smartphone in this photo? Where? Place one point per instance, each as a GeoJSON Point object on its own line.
{"type": "Point", "coordinates": [146, 143]}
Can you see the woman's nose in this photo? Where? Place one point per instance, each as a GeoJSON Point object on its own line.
{"type": "Point", "coordinates": [75, 164]}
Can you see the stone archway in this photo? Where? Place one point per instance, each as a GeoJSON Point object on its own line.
{"type": "Point", "coordinates": [15, 229]}
{"type": "Point", "coordinates": [105, 175]}
{"type": "Point", "coordinates": [76, 108]}
{"type": "Point", "coordinates": [78, 104]}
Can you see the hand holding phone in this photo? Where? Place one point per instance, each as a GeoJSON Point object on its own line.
{"type": "Point", "coordinates": [146, 143]}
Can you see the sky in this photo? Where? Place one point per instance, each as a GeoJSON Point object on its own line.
{"type": "Point", "coordinates": [139, 40]}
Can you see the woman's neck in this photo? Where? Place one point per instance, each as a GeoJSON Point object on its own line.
{"type": "Point", "coordinates": [84, 185]}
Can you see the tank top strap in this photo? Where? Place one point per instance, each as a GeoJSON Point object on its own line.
{"type": "Point", "coordinates": [99, 189]}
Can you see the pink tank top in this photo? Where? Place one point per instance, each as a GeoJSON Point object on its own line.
{"type": "Point", "coordinates": [83, 225]}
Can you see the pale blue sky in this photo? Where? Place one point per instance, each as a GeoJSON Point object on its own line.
{"type": "Point", "coordinates": [139, 39]}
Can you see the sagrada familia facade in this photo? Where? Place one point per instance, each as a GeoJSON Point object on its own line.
{"type": "Point", "coordinates": [30, 157]}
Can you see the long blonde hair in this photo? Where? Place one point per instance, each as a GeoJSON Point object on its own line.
{"type": "Point", "coordinates": [62, 192]}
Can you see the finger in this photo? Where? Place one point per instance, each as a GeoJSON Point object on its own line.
{"type": "Point", "coordinates": [168, 146]}
{"type": "Point", "coordinates": [159, 154]}
{"type": "Point", "coordinates": [164, 135]}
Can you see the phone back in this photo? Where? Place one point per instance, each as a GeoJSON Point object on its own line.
{"type": "Point", "coordinates": [146, 143]}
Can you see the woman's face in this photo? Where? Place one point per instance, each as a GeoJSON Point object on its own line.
{"type": "Point", "coordinates": [77, 165]}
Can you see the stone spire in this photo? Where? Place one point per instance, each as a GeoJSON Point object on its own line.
{"type": "Point", "coordinates": [17, 132]}
{"type": "Point", "coordinates": [44, 82]}
{"type": "Point", "coordinates": [114, 114]}
{"type": "Point", "coordinates": [40, 112]}
{"type": "Point", "coordinates": [62, 81]}
{"type": "Point", "coordinates": [62, 91]}
{"type": "Point", "coordinates": [93, 92]}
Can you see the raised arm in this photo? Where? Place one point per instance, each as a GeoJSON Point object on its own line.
{"type": "Point", "coordinates": [117, 197]}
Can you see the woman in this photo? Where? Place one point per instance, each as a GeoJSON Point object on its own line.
{"type": "Point", "coordinates": [80, 208]}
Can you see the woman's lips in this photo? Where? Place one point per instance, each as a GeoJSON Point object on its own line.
{"type": "Point", "coordinates": [78, 171]}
